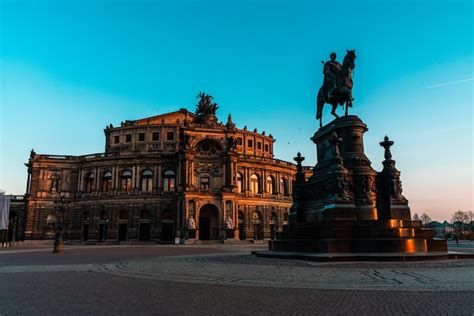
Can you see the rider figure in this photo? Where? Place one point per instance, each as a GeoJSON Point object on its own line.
{"type": "Point", "coordinates": [330, 71]}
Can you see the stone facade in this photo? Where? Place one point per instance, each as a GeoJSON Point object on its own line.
{"type": "Point", "coordinates": [156, 177]}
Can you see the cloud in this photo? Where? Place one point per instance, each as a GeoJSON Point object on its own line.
{"type": "Point", "coordinates": [449, 83]}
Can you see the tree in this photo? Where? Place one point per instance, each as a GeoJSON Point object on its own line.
{"type": "Point", "coordinates": [416, 217]}
{"type": "Point", "coordinates": [425, 219]}
{"type": "Point", "coordinates": [459, 219]}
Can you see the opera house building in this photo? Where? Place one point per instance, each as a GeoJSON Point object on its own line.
{"type": "Point", "coordinates": [177, 175]}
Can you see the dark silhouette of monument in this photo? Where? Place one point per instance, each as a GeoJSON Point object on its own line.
{"type": "Point", "coordinates": [346, 206]}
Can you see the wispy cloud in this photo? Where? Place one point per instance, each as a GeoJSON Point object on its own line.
{"type": "Point", "coordinates": [449, 83]}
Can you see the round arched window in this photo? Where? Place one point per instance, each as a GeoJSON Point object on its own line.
{"type": "Point", "coordinates": [147, 180]}
{"type": "Point", "coordinates": [126, 181]}
{"type": "Point", "coordinates": [169, 179]}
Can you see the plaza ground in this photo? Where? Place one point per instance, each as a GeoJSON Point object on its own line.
{"type": "Point", "coordinates": [225, 279]}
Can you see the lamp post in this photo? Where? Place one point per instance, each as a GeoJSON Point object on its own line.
{"type": "Point", "coordinates": [60, 206]}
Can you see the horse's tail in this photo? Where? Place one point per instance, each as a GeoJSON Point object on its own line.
{"type": "Point", "coordinates": [319, 104]}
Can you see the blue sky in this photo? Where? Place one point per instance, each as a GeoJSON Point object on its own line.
{"type": "Point", "coordinates": [68, 68]}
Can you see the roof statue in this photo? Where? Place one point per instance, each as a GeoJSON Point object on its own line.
{"type": "Point", "coordinates": [337, 85]}
{"type": "Point", "coordinates": [206, 105]}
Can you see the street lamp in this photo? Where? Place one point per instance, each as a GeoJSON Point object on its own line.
{"type": "Point", "coordinates": [60, 206]}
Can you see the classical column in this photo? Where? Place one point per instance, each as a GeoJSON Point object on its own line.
{"type": "Point", "coordinates": [160, 181]}
{"type": "Point", "coordinates": [114, 178]}
{"type": "Point", "coordinates": [236, 220]}
{"type": "Point", "coordinates": [81, 179]}
{"type": "Point", "coordinates": [155, 177]}
{"type": "Point", "coordinates": [134, 175]}
{"type": "Point", "coordinates": [97, 179]}
{"type": "Point", "coordinates": [137, 177]}
{"type": "Point", "coordinates": [247, 179]}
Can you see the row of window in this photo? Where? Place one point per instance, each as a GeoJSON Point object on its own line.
{"type": "Point", "coordinates": [169, 181]}
{"type": "Point", "coordinates": [239, 142]}
{"type": "Point", "coordinates": [141, 137]}
{"type": "Point", "coordinates": [256, 185]}
{"type": "Point", "coordinates": [259, 144]}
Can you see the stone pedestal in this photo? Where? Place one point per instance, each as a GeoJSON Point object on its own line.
{"type": "Point", "coordinates": [346, 206]}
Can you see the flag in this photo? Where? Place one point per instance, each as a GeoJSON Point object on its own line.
{"type": "Point", "coordinates": [4, 210]}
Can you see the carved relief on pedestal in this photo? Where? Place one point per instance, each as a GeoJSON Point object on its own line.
{"type": "Point", "coordinates": [395, 188]}
{"type": "Point", "coordinates": [367, 187]}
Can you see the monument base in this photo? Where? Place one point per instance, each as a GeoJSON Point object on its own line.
{"type": "Point", "coordinates": [346, 209]}
{"type": "Point", "coordinates": [351, 257]}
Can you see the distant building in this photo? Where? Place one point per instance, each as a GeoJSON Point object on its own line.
{"type": "Point", "coordinates": [442, 229]}
{"type": "Point", "coordinates": [16, 220]}
{"type": "Point", "coordinates": [155, 175]}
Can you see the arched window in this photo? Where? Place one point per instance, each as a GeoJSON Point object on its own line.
{"type": "Point", "coordinates": [169, 180]}
{"type": "Point", "coordinates": [254, 183]}
{"type": "Point", "coordinates": [107, 181]}
{"type": "Point", "coordinates": [283, 187]}
{"type": "Point", "coordinates": [270, 185]}
{"type": "Point", "coordinates": [144, 214]}
{"type": "Point", "coordinates": [89, 183]}
{"type": "Point", "coordinates": [85, 216]}
{"type": "Point", "coordinates": [147, 181]}
{"type": "Point", "coordinates": [123, 215]}
{"type": "Point", "coordinates": [126, 180]}
{"type": "Point", "coordinates": [240, 183]}
{"type": "Point", "coordinates": [104, 216]}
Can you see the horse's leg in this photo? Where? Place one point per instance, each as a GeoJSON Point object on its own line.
{"type": "Point", "coordinates": [320, 122]}
{"type": "Point", "coordinates": [347, 108]}
{"type": "Point", "coordinates": [333, 112]}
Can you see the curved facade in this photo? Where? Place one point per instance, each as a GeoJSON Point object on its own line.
{"type": "Point", "coordinates": [159, 176]}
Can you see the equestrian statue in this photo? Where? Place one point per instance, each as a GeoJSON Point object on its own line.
{"type": "Point", "coordinates": [337, 85]}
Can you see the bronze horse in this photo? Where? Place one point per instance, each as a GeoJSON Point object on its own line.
{"type": "Point", "coordinates": [343, 92]}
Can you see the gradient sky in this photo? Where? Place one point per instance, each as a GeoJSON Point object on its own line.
{"type": "Point", "coordinates": [69, 68]}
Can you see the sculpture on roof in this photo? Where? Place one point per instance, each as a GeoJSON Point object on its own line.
{"type": "Point", "coordinates": [206, 105]}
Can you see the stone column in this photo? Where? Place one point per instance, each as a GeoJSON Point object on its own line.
{"type": "Point", "coordinates": [137, 177]}
{"type": "Point", "coordinates": [236, 221]}
{"type": "Point", "coordinates": [159, 179]}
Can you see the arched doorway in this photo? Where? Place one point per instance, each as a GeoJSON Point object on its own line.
{"type": "Point", "coordinates": [123, 226]}
{"type": "Point", "coordinates": [103, 222]}
{"type": "Point", "coordinates": [273, 225]}
{"type": "Point", "coordinates": [241, 226]}
{"type": "Point", "coordinates": [85, 225]}
{"type": "Point", "coordinates": [12, 227]}
{"type": "Point", "coordinates": [144, 225]}
{"type": "Point", "coordinates": [209, 222]}
{"type": "Point", "coordinates": [257, 226]}
{"type": "Point", "coordinates": [167, 226]}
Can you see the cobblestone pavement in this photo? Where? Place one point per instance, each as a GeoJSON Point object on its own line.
{"type": "Point", "coordinates": [225, 279]}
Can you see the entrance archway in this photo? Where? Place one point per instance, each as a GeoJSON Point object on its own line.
{"type": "Point", "coordinates": [209, 222]}
{"type": "Point", "coordinates": [144, 225]}
{"type": "Point", "coordinates": [103, 221]}
{"type": "Point", "coordinates": [167, 226]}
{"type": "Point", "coordinates": [257, 226]}
{"type": "Point", "coordinates": [123, 226]}
{"type": "Point", "coordinates": [241, 226]}
{"type": "Point", "coordinates": [85, 225]}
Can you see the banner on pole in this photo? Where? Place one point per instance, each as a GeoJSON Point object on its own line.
{"type": "Point", "coordinates": [4, 210]}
